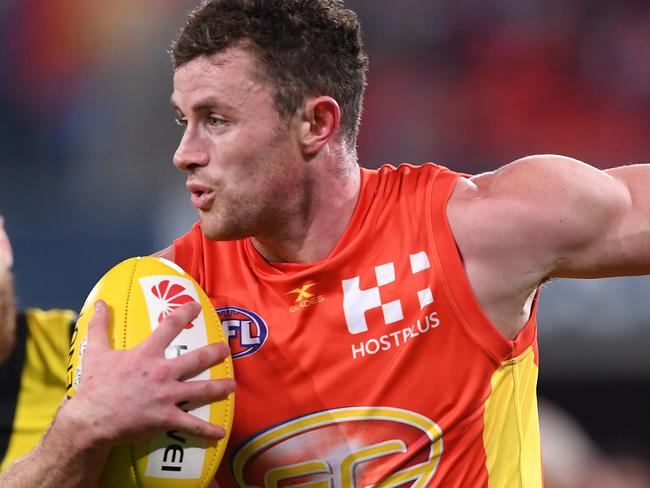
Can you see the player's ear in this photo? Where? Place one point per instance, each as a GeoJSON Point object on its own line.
{"type": "Point", "coordinates": [321, 118]}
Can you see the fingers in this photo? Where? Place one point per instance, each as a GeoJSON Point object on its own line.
{"type": "Point", "coordinates": [193, 425]}
{"type": "Point", "coordinates": [98, 338]}
{"type": "Point", "coordinates": [172, 325]}
{"type": "Point", "coordinates": [203, 392]}
{"type": "Point", "coordinates": [195, 362]}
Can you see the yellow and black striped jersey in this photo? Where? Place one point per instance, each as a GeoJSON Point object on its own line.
{"type": "Point", "coordinates": [33, 379]}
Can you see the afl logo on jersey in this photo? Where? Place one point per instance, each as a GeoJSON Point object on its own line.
{"type": "Point", "coordinates": [246, 331]}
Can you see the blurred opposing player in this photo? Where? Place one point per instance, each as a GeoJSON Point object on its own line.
{"type": "Point", "coordinates": [573, 460]}
{"type": "Point", "coordinates": [382, 322]}
{"type": "Point", "coordinates": [33, 358]}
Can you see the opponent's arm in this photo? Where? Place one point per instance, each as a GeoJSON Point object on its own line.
{"type": "Point", "coordinates": [124, 396]}
{"type": "Point", "coordinates": [61, 458]}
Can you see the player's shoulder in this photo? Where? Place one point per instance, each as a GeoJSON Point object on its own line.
{"type": "Point", "coordinates": [51, 319]}
{"type": "Point", "coordinates": [407, 178]}
{"type": "Point", "coordinates": [167, 253]}
{"type": "Point", "coordinates": [544, 204]}
{"type": "Point", "coordinates": [543, 176]}
{"type": "Point", "coordinates": [53, 325]}
{"type": "Point", "coordinates": [409, 170]}
{"type": "Point", "coordinates": [529, 186]}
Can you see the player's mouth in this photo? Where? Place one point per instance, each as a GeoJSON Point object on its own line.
{"type": "Point", "coordinates": [202, 196]}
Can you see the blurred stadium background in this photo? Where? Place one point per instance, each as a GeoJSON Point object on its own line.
{"type": "Point", "coordinates": [87, 136]}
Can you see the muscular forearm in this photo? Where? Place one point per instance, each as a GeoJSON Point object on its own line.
{"type": "Point", "coordinates": [64, 457]}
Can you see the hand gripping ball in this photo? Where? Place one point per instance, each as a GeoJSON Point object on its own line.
{"type": "Point", "coordinates": [142, 291]}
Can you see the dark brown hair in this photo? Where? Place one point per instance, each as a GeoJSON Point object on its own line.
{"type": "Point", "coordinates": [307, 48]}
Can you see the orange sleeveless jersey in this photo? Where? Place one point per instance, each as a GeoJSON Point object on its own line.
{"type": "Point", "coordinates": [375, 366]}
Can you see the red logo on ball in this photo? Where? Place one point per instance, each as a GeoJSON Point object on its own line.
{"type": "Point", "coordinates": [172, 297]}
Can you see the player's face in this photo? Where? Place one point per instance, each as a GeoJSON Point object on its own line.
{"type": "Point", "coordinates": [7, 311]}
{"type": "Point", "coordinates": [243, 160]}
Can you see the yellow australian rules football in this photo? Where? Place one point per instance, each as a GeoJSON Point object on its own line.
{"type": "Point", "coordinates": [142, 291]}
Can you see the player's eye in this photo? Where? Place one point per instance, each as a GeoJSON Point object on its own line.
{"type": "Point", "coordinates": [215, 121]}
{"type": "Point", "coordinates": [180, 122]}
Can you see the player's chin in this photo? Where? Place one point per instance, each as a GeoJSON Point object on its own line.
{"type": "Point", "coordinates": [217, 229]}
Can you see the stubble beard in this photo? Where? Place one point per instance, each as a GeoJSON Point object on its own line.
{"type": "Point", "coordinates": [233, 219]}
{"type": "Point", "coordinates": [236, 216]}
{"type": "Point", "coordinates": [264, 214]}
{"type": "Point", "coordinates": [7, 314]}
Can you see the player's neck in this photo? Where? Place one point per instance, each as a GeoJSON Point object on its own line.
{"type": "Point", "coordinates": [331, 200]}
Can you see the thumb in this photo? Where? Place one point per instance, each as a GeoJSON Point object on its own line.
{"type": "Point", "coordinates": [98, 327]}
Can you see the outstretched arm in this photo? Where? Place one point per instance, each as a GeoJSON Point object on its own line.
{"type": "Point", "coordinates": [548, 216]}
{"type": "Point", "coordinates": [124, 396]}
{"type": "Point", "coordinates": [563, 217]}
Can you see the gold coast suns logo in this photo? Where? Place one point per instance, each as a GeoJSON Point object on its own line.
{"type": "Point", "coordinates": [346, 448]}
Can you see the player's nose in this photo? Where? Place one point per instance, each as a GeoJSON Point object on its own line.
{"type": "Point", "coordinates": [190, 152]}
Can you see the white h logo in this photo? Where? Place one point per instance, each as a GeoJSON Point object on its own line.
{"type": "Point", "coordinates": [356, 302]}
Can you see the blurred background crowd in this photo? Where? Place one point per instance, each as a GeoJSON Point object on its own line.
{"type": "Point", "coordinates": [87, 135]}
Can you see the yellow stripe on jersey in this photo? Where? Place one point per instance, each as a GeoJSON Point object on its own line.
{"type": "Point", "coordinates": [42, 382]}
{"type": "Point", "coordinates": [511, 433]}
